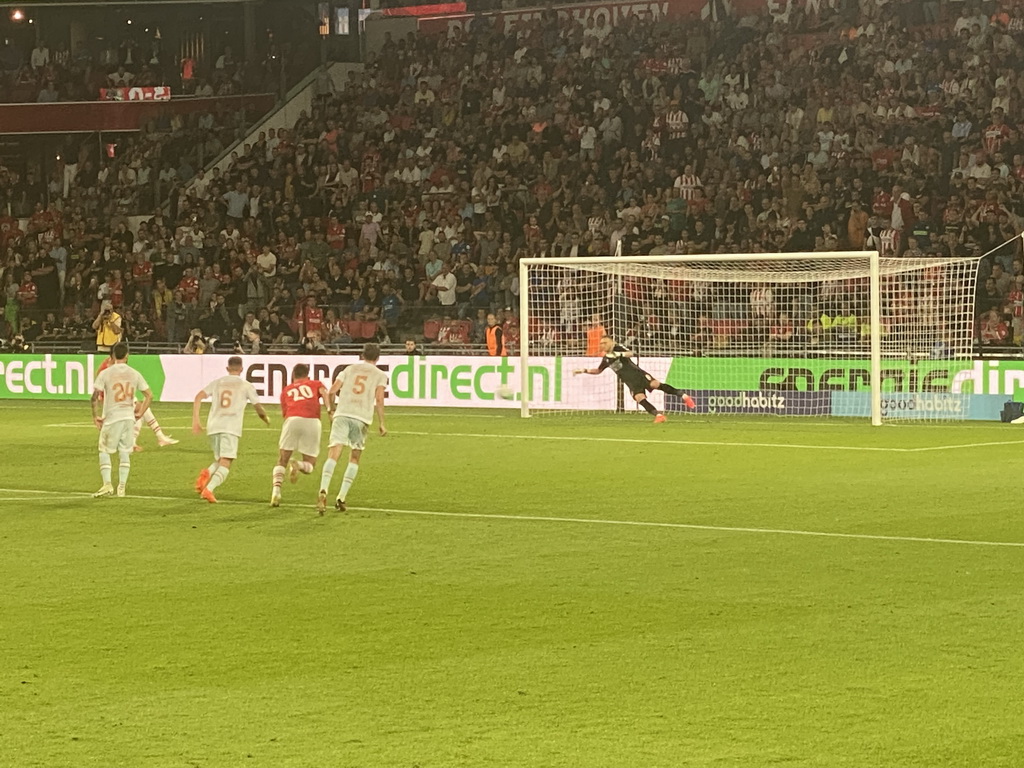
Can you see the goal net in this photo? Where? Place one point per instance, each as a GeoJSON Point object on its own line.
{"type": "Point", "coordinates": [828, 334]}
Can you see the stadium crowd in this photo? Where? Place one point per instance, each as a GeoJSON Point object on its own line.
{"type": "Point", "coordinates": [411, 191]}
{"type": "Point", "coordinates": [47, 74]}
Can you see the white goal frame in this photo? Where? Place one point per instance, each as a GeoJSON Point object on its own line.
{"type": "Point", "coordinates": [875, 313]}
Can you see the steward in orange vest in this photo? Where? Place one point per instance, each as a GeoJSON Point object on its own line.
{"type": "Point", "coordinates": [495, 338]}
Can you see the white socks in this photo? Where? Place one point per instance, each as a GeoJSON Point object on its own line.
{"type": "Point", "coordinates": [350, 476]}
{"type": "Point", "coordinates": [105, 468]}
{"type": "Point", "coordinates": [327, 474]}
{"type": "Point", "coordinates": [217, 478]}
{"type": "Point", "coordinates": [278, 477]}
{"type": "Point", "coordinates": [124, 467]}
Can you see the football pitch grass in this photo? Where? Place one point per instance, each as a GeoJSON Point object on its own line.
{"type": "Point", "coordinates": [544, 593]}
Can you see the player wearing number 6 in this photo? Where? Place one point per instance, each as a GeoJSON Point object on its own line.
{"type": "Point", "coordinates": [229, 396]}
{"type": "Point", "coordinates": [639, 381]}
{"type": "Point", "coordinates": [300, 409]}
{"type": "Point", "coordinates": [360, 391]}
{"type": "Point", "coordinates": [117, 387]}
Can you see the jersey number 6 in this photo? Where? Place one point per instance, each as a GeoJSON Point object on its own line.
{"type": "Point", "coordinates": [225, 399]}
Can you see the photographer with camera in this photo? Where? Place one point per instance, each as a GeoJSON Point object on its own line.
{"type": "Point", "coordinates": [196, 344]}
{"type": "Point", "coordinates": [108, 326]}
{"type": "Point", "coordinates": [215, 323]}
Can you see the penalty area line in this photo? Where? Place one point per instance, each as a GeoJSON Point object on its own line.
{"type": "Point", "coordinates": [641, 441]}
{"type": "Point", "coordinates": [42, 496]}
{"type": "Point", "coordinates": [717, 443]}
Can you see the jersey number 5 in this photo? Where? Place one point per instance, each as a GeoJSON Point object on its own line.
{"type": "Point", "coordinates": [359, 384]}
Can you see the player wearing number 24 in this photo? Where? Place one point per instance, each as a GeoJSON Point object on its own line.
{"type": "Point", "coordinates": [228, 395]}
{"type": "Point", "coordinates": [117, 387]}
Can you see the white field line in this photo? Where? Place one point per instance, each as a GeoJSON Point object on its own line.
{"type": "Point", "coordinates": [183, 421]}
{"type": "Point", "coordinates": [179, 422]}
{"type": "Point", "coordinates": [172, 422]}
{"type": "Point", "coordinates": [23, 498]}
{"type": "Point", "coordinates": [968, 445]}
{"type": "Point", "coordinates": [733, 444]}
{"type": "Point", "coordinates": [641, 441]}
{"type": "Point", "coordinates": [553, 519]}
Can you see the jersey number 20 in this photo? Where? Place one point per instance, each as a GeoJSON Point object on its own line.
{"type": "Point", "coordinates": [301, 392]}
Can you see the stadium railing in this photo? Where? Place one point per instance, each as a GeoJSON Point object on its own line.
{"type": "Point", "coordinates": [165, 348]}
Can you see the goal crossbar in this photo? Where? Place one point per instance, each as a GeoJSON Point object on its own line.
{"type": "Point", "coordinates": [568, 261]}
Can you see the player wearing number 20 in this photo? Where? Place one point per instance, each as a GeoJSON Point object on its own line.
{"type": "Point", "coordinates": [229, 395]}
{"type": "Point", "coordinates": [300, 433]}
{"type": "Point", "coordinates": [117, 387]}
{"type": "Point", "coordinates": [360, 391]}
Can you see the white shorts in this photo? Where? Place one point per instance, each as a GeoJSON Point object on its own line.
{"type": "Point", "coordinates": [117, 436]}
{"type": "Point", "coordinates": [301, 434]}
{"type": "Point", "coordinates": [224, 446]}
{"type": "Point", "coordinates": [348, 431]}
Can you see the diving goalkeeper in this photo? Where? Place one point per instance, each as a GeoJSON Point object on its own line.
{"type": "Point", "coordinates": [639, 381]}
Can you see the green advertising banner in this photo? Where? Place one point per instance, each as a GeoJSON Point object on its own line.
{"type": "Point", "coordinates": [66, 377]}
{"type": "Point", "coordinates": [981, 377]}
{"type": "Point", "coordinates": [460, 381]}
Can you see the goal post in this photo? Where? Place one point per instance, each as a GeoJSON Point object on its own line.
{"type": "Point", "coordinates": [848, 333]}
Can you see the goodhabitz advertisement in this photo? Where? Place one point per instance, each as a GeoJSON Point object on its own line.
{"type": "Point", "coordinates": [923, 389]}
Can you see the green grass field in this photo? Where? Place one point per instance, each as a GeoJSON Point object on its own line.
{"type": "Point", "coordinates": [688, 607]}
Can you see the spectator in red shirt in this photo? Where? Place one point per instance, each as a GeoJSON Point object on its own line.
{"type": "Point", "coordinates": [996, 133]}
{"type": "Point", "coordinates": [335, 233]}
{"type": "Point", "coordinates": [310, 319]}
{"type": "Point", "coordinates": [115, 289]}
{"type": "Point", "coordinates": [28, 292]}
{"type": "Point", "coordinates": [10, 232]}
{"type": "Point", "coordinates": [41, 220]}
{"type": "Point", "coordinates": [189, 286]}
{"type": "Point", "coordinates": [142, 275]}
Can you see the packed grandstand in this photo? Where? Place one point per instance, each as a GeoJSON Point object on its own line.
{"type": "Point", "coordinates": [400, 206]}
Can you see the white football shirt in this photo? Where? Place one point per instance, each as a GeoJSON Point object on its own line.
{"type": "Point", "coordinates": [229, 396]}
{"type": "Point", "coordinates": [358, 391]}
{"type": "Point", "coordinates": [119, 383]}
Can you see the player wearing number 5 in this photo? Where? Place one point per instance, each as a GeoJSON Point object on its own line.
{"type": "Point", "coordinates": [360, 391]}
{"type": "Point", "coordinates": [229, 396]}
{"type": "Point", "coordinates": [300, 409]}
{"type": "Point", "coordinates": [117, 387]}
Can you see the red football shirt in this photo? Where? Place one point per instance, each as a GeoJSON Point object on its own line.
{"type": "Point", "coordinates": [28, 293]}
{"type": "Point", "coordinates": [311, 319]}
{"type": "Point", "coordinates": [302, 398]}
{"type": "Point", "coordinates": [189, 287]}
{"type": "Point", "coordinates": [143, 273]}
